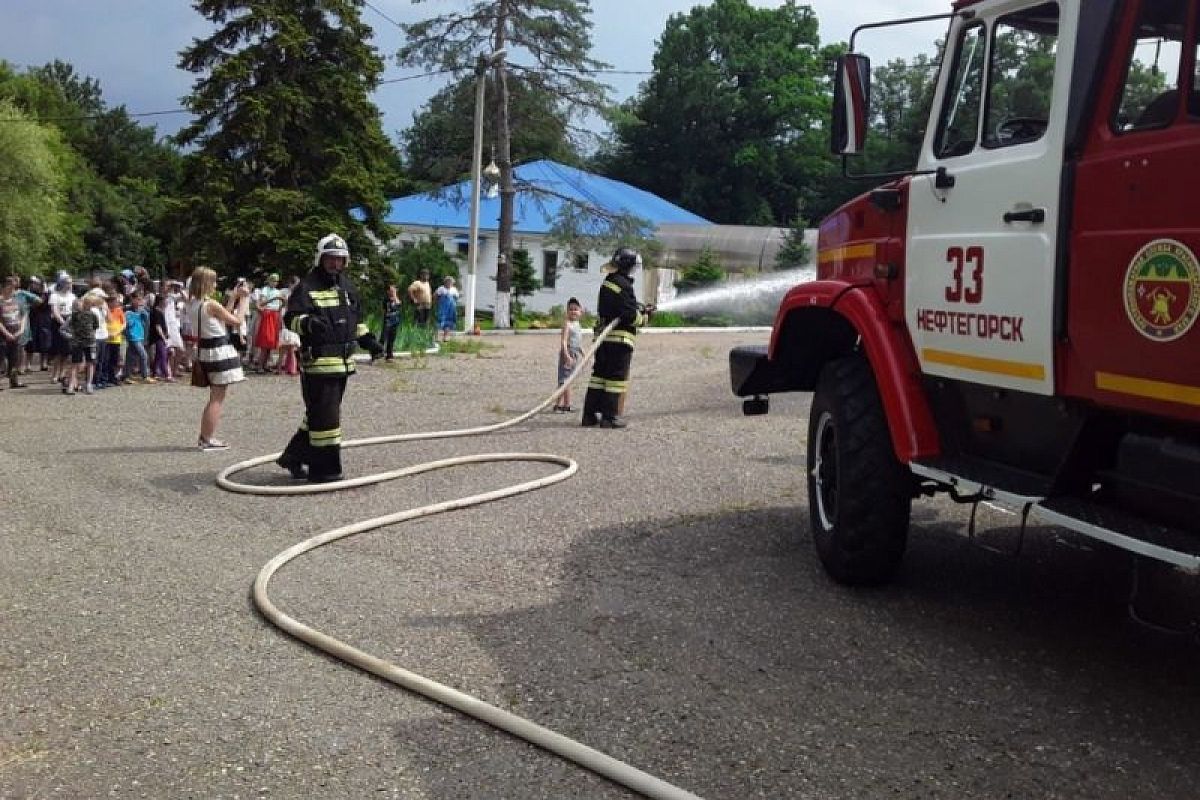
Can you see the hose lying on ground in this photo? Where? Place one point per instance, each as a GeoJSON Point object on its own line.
{"type": "Point", "coordinates": [569, 749]}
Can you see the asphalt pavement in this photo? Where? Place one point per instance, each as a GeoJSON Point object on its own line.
{"type": "Point", "coordinates": [664, 606]}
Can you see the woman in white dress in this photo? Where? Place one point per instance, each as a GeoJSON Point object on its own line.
{"type": "Point", "coordinates": [217, 357]}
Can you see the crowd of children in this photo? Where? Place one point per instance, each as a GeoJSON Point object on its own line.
{"type": "Point", "coordinates": [125, 330]}
{"type": "Point", "coordinates": [131, 329]}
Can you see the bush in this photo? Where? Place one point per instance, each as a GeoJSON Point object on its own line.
{"type": "Point", "coordinates": [523, 280]}
{"type": "Point", "coordinates": [429, 254]}
{"type": "Point", "coordinates": [667, 319]}
{"type": "Point", "coordinates": [704, 273]}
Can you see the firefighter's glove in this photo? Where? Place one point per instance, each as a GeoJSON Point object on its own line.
{"type": "Point", "coordinates": [315, 326]}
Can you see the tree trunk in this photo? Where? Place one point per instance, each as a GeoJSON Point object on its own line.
{"type": "Point", "coordinates": [501, 318]}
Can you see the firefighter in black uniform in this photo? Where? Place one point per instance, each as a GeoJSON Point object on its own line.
{"type": "Point", "coordinates": [605, 399]}
{"type": "Point", "coordinates": [325, 311]}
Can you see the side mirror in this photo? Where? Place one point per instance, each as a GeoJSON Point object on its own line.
{"type": "Point", "coordinates": [851, 104]}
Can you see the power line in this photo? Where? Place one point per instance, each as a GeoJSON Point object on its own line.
{"type": "Point", "coordinates": [380, 13]}
{"type": "Point", "coordinates": [416, 77]}
{"type": "Point", "coordinates": [581, 71]}
{"type": "Point", "coordinates": [90, 117]}
{"type": "Point", "coordinates": [93, 117]}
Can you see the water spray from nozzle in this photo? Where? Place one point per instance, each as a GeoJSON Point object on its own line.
{"type": "Point", "coordinates": [742, 296]}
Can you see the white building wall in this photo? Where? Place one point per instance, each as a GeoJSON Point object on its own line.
{"type": "Point", "coordinates": [583, 285]}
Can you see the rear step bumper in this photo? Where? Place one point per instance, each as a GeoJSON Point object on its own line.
{"type": "Point", "coordinates": [751, 374]}
{"type": "Point", "coordinates": [1159, 542]}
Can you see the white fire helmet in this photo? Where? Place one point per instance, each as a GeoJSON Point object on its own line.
{"type": "Point", "coordinates": [331, 245]}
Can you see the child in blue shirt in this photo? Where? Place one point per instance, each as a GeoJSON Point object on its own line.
{"type": "Point", "coordinates": [137, 322]}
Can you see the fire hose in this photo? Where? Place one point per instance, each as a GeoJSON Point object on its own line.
{"type": "Point", "coordinates": [569, 749]}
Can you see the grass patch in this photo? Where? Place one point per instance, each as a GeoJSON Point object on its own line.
{"type": "Point", "coordinates": [465, 347]}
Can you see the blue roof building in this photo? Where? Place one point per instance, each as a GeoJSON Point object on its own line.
{"type": "Point", "coordinates": [543, 187]}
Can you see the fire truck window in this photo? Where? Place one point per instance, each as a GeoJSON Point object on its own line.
{"type": "Point", "coordinates": [1150, 96]}
{"type": "Point", "coordinates": [1021, 78]}
{"type": "Point", "coordinates": [959, 126]}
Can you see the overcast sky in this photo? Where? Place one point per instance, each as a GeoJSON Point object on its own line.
{"type": "Point", "coordinates": [132, 46]}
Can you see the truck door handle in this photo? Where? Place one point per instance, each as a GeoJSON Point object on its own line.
{"type": "Point", "coordinates": [1035, 215]}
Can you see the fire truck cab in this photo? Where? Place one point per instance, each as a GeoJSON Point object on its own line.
{"type": "Point", "coordinates": [1014, 320]}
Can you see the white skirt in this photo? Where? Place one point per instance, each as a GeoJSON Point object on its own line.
{"type": "Point", "coordinates": [288, 338]}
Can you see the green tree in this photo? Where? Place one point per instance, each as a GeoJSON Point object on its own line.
{"type": "Point", "coordinates": [901, 96]}
{"type": "Point", "coordinates": [705, 272]}
{"type": "Point", "coordinates": [795, 252]}
{"type": "Point", "coordinates": [437, 146]}
{"type": "Point", "coordinates": [407, 262]}
{"type": "Point", "coordinates": [555, 35]}
{"type": "Point", "coordinates": [287, 142]}
{"type": "Point", "coordinates": [116, 174]}
{"type": "Point", "coordinates": [731, 123]}
{"type": "Point", "coordinates": [31, 193]}
{"type": "Point", "coordinates": [524, 279]}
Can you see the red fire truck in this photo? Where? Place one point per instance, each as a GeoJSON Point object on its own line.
{"type": "Point", "coordinates": [1014, 320]}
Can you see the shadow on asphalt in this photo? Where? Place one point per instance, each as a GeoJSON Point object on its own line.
{"type": "Point", "coordinates": [712, 648]}
{"type": "Point", "coordinates": [134, 449]}
{"type": "Point", "coordinates": [185, 482]}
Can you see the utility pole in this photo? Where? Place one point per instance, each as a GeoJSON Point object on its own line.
{"type": "Point", "coordinates": [502, 317]}
{"type": "Point", "coordinates": [481, 68]}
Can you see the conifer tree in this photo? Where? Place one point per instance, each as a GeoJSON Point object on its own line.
{"type": "Point", "coordinates": [549, 41]}
{"type": "Point", "coordinates": [287, 142]}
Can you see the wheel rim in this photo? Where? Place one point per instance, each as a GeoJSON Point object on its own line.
{"type": "Point", "coordinates": [824, 471]}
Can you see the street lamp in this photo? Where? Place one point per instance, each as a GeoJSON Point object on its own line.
{"type": "Point", "coordinates": [481, 68]}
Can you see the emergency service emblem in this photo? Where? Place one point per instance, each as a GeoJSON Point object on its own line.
{"type": "Point", "coordinates": [1162, 290]}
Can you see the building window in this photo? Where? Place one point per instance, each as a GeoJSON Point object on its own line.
{"type": "Point", "coordinates": [581, 262]}
{"type": "Point", "coordinates": [549, 268]}
{"type": "Point", "coordinates": [463, 247]}
{"type": "Point", "coordinates": [407, 244]}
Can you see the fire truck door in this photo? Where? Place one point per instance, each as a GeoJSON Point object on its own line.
{"type": "Point", "coordinates": [981, 243]}
{"type": "Point", "coordinates": [1133, 307]}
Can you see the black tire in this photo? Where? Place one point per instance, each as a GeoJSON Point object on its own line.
{"type": "Point", "coordinates": [859, 494]}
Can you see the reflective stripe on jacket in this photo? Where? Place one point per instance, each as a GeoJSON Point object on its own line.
{"type": "Point", "coordinates": [332, 298]}
{"type": "Point", "coordinates": [618, 301]}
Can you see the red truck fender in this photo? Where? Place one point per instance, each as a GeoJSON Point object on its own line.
{"type": "Point", "coordinates": [819, 321]}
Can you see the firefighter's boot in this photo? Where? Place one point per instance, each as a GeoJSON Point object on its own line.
{"type": "Point", "coordinates": [325, 464]}
{"type": "Point", "coordinates": [295, 455]}
{"type": "Point", "coordinates": [591, 408]}
{"type": "Point", "coordinates": [293, 465]}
